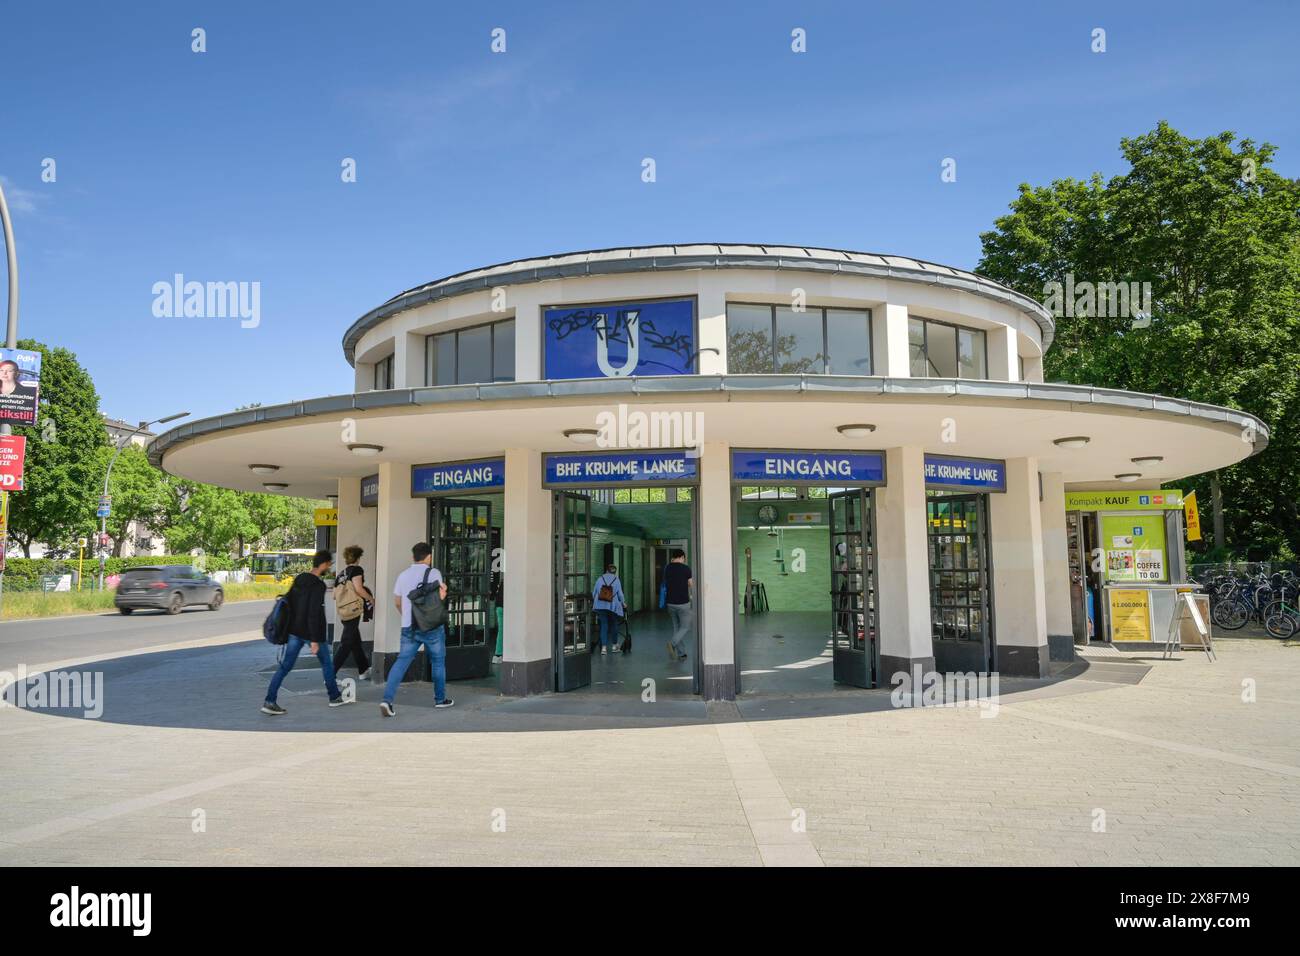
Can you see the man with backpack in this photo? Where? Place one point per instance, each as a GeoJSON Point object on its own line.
{"type": "Point", "coordinates": [305, 615]}
{"type": "Point", "coordinates": [419, 594]}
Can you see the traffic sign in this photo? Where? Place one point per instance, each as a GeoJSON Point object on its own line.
{"type": "Point", "coordinates": [105, 506]}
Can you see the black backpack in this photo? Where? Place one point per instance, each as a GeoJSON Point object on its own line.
{"type": "Point", "coordinates": [427, 608]}
{"type": "Point", "coordinates": [276, 626]}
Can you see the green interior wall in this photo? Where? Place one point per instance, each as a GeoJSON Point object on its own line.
{"type": "Point", "coordinates": [806, 590]}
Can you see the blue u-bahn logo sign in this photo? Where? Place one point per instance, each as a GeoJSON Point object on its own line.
{"type": "Point", "coordinates": [593, 470]}
{"type": "Point", "coordinates": [489, 474]}
{"type": "Point", "coordinates": [832, 468]}
{"type": "Point", "coordinates": [947, 473]}
{"type": "Point", "coordinates": [616, 340]}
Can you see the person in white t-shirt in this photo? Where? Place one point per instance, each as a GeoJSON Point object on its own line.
{"type": "Point", "coordinates": [434, 642]}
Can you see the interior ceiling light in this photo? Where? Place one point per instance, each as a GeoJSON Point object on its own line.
{"type": "Point", "coordinates": [583, 436]}
{"type": "Point", "coordinates": [858, 430]}
{"type": "Point", "coordinates": [264, 469]}
{"type": "Point", "coordinates": [1128, 476]}
{"type": "Point", "coordinates": [1073, 441]}
{"type": "Point", "coordinates": [1147, 459]}
{"type": "Point", "coordinates": [274, 485]}
{"type": "Point", "coordinates": [365, 450]}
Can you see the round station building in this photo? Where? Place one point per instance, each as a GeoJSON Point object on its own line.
{"type": "Point", "coordinates": [857, 454]}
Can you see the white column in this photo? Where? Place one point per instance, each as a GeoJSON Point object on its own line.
{"type": "Point", "coordinates": [1019, 587]}
{"type": "Point", "coordinates": [526, 666]}
{"type": "Point", "coordinates": [1056, 568]}
{"type": "Point", "coordinates": [528, 338]}
{"type": "Point", "coordinates": [358, 526]}
{"type": "Point", "coordinates": [889, 341]}
{"type": "Point", "coordinates": [902, 565]}
{"type": "Point", "coordinates": [408, 360]}
{"type": "Point", "coordinates": [1033, 369]}
{"type": "Point", "coordinates": [1004, 355]}
{"type": "Point", "coordinates": [402, 522]}
{"type": "Point", "coordinates": [717, 598]}
{"type": "Point", "coordinates": [713, 331]}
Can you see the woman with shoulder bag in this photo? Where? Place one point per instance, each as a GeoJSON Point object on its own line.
{"type": "Point", "coordinates": [609, 605]}
{"type": "Point", "coordinates": [353, 602]}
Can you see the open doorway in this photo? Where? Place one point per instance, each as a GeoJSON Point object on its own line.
{"type": "Point", "coordinates": [805, 567]}
{"type": "Point", "coordinates": [465, 534]}
{"type": "Point", "coordinates": [612, 628]}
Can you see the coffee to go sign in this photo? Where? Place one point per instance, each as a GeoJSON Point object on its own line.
{"type": "Point", "coordinates": [13, 449]}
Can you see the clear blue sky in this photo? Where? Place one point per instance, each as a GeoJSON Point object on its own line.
{"type": "Point", "coordinates": [225, 166]}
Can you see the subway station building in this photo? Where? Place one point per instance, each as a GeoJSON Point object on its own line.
{"type": "Point", "coordinates": [857, 453]}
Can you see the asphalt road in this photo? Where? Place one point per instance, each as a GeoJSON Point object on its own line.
{"type": "Point", "coordinates": [67, 638]}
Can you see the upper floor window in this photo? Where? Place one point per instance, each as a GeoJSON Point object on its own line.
{"type": "Point", "coordinates": [482, 353]}
{"type": "Point", "coordinates": [384, 373]}
{"type": "Point", "coordinates": [940, 350]}
{"type": "Point", "coordinates": [777, 339]}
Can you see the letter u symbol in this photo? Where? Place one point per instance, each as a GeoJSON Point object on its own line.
{"type": "Point", "coordinates": [633, 345]}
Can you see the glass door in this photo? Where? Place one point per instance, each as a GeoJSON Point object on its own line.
{"type": "Point", "coordinates": [853, 599]}
{"type": "Point", "coordinates": [571, 629]}
{"type": "Point", "coordinates": [959, 583]}
{"type": "Point", "coordinates": [462, 551]}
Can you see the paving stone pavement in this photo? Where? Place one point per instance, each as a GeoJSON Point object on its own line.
{"type": "Point", "coordinates": [1196, 763]}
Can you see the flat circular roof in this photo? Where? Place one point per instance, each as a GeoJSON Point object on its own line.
{"type": "Point", "coordinates": [698, 256]}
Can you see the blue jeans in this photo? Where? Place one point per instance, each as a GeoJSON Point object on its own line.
{"type": "Point", "coordinates": [608, 628]}
{"type": "Point", "coordinates": [291, 651]}
{"type": "Point", "coordinates": [435, 645]}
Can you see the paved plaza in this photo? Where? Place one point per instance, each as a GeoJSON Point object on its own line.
{"type": "Point", "coordinates": [1125, 761]}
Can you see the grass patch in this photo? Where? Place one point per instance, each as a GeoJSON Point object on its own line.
{"type": "Point", "coordinates": [25, 604]}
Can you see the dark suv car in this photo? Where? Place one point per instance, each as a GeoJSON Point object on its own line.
{"type": "Point", "coordinates": [168, 587]}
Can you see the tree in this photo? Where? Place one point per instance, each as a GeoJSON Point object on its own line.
{"type": "Point", "coordinates": [1216, 233]}
{"type": "Point", "coordinates": [139, 491]}
{"type": "Point", "coordinates": [62, 474]}
{"type": "Point", "coordinates": [281, 522]}
{"type": "Point", "coordinates": [205, 517]}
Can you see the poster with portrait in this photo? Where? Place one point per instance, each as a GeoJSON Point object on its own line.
{"type": "Point", "coordinates": [20, 379]}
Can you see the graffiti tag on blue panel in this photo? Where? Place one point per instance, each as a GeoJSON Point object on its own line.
{"type": "Point", "coordinates": [945, 473]}
{"type": "Point", "coordinates": [825, 467]}
{"type": "Point", "coordinates": [484, 475]}
{"type": "Point", "coordinates": [620, 339]}
{"type": "Point", "coordinates": [617, 468]}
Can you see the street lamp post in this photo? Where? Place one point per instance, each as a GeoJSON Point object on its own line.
{"type": "Point", "coordinates": [11, 331]}
{"type": "Point", "coordinates": [103, 520]}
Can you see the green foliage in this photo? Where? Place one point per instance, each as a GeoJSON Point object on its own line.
{"type": "Point", "coordinates": [24, 574]}
{"type": "Point", "coordinates": [62, 470]}
{"type": "Point", "coordinates": [1216, 231]}
{"type": "Point", "coordinates": [139, 492]}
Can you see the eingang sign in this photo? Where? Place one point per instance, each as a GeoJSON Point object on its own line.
{"type": "Point", "coordinates": [488, 474]}
{"type": "Point", "coordinates": [768, 467]}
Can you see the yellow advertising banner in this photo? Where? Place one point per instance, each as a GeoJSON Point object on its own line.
{"type": "Point", "coordinates": [4, 513]}
{"type": "Point", "coordinates": [1192, 516]}
{"type": "Point", "coordinates": [326, 517]}
{"type": "Point", "coordinates": [1130, 615]}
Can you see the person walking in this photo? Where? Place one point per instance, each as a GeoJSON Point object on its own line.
{"type": "Point", "coordinates": [610, 606]}
{"type": "Point", "coordinates": [355, 604]}
{"type": "Point", "coordinates": [434, 641]}
{"type": "Point", "coordinates": [306, 628]}
{"type": "Point", "coordinates": [679, 588]}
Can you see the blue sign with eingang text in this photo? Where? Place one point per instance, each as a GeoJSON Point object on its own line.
{"type": "Point", "coordinates": [594, 469]}
{"type": "Point", "coordinates": [809, 467]}
{"type": "Point", "coordinates": [489, 474]}
{"type": "Point", "coordinates": [947, 473]}
{"type": "Point", "coordinates": [619, 339]}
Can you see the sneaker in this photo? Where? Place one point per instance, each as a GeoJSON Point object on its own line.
{"type": "Point", "coordinates": [603, 650]}
{"type": "Point", "coordinates": [682, 657]}
{"type": "Point", "coordinates": [387, 709]}
{"type": "Point", "coordinates": [672, 652]}
{"type": "Point", "coordinates": [445, 703]}
{"type": "Point", "coordinates": [496, 658]}
{"type": "Point", "coordinates": [273, 709]}
{"type": "Point", "coordinates": [364, 675]}
{"type": "Point", "coordinates": [339, 701]}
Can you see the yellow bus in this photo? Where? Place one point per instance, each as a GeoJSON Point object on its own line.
{"type": "Point", "coordinates": [280, 566]}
